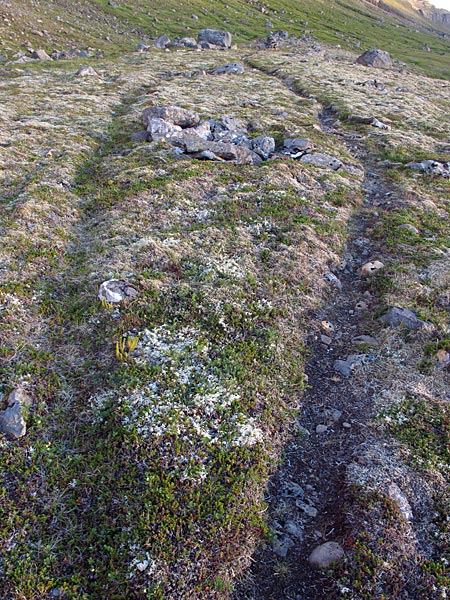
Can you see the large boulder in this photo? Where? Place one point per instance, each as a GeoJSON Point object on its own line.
{"type": "Point", "coordinates": [375, 58]}
{"type": "Point", "coordinates": [215, 38]}
{"type": "Point", "coordinates": [172, 114]}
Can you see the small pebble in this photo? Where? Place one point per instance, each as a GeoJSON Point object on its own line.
{"type": "Point", "coordinates": [321, 428]}
{"type": "Point", "coordinates": [325, 340]}
{"type": "Point", "coordinates": [346, 425]}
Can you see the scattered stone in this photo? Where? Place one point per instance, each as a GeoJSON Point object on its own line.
{"type": "Point", "coordinates": [426, 47]}
{"type": "Point", "coordinates": [12, 422]}
{"type": "Point", "coordinates": [335, 415]}
{"type": "Point", "coordinates": [141, 47]}
{"type": "Point", "coordinates": [308, 509]}
{"type": "Point", "coordinates": [326, 555]}
{"type": "Point", "coordinates": [162, 42]}
{"type": "Point", "coordinates": [86, 72]}
{"type": "Point", "coordinates": [282, 545]}
{"type": "Point", "coordinates": [215, 37]}
{"type": "Point", "coordinates": [431, 167]}
{"type": "Point", "coordinates": [375, 58]}
{"type": "Point", "coordinates": [295, 490]}
{"type": "Point", "coordinates": [293, 529]}
{"type": "Point", "coordinates": [327, 326]}
{"type": "Point", "coordinates": [395, 493]}
{"type": "Point", "coordinates": [236, 68]}
{"type": "Point", "coordinates": [326, 340]}
{"type": "Point", "coordinates": [40, 55]}
{"type": "Point", "coordinates": [332, 280]}
{"type": "Point", "coordinates": [346, 425]}
{"type": "Point", "coordinates": [397, 315]}
{"type": "Point", "coordinates": [443, 357]}
{"type": "Point", "coordinates": [321, 428]}
{"type": "Point", "coordinates": [296, 147]}
{"type": "Point", "coordinates": [409, 227]}
{"type": "Point", "coordinates": [263, 145]}
{"type": "Point", "coordinates": [323, 161]}
{"type": "Point", "coordinates": [365, 339]}
{"type": "Point", "coordinates": [172, 114]}
{"type": "Point", "coordinates": [195, 17]}
{"type": "Point", "coordinates": [371, 267]}
{"type": "Point", "coordinates": [115, 291]}
{"type": "Point", "coordinates": [345, 367]}
{"type": "Point", "coordinates": [367, 121]}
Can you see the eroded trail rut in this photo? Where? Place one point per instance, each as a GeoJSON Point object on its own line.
{"type": "Point", "coordinates": [308, 497]}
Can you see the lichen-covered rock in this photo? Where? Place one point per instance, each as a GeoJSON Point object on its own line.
{"type": "Point", "coordinates": [12, 422]}
{"type": "Point", "coordinates": [323, 161]}
{"type": "Point", "coordinates": [115, 291]}
{"type": "Point", "coordinates": [326, 555]}
{"type": "Point", "coordinates": [397, 315]}
{"type": "Point", "coordinates": [235, 68]}
{"type": "Point", "coordinates": [375, 58]}
{"type": "Point", "coordinates": [173, 114]}
{"type": "Point", "coordinates": [158, 128]}
{"type": "Point", "coordinates": [431, 167]}
{"type": "Point", "coordinates": [215, 37]}
{"type": "Point", "coordinates": [263, 145]}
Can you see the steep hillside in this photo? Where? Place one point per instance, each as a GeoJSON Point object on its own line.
{"type": "Point", "coordinates": [116, 25]}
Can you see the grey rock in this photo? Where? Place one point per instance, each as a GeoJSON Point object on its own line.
{"type": "Point", "coordinates": [323, 161]}
{"type": "Point", "coordinates": [282, 545]}
{"type": "Point", "coordinates": [161, 42]}
{"type": "Point", "coordinates": [292, 528]}
{"type": "Point", "coordinates": [332, 280]}
{"type": "Point", "coordinates": [188, 42]}
{"type": "Point", "coordinates": [431, 167]}
{"type": "Point", "coordinates": [308, 509]}
{"type": "Point", "coordinates": [296, 145]}
{"type": "Point", "coordinates": [375, 58]}
{"type": "Point", "coordinates": [141, 47]}
{"type": "Point", "coordinates": [195, 17]}
{"type": "Point", "coordinates": [12, 422]}
{"type": "Point", "coordinates": [365, 339]}
{"type": "Point", "coordinates": [263, 145]}
{"type": "Point", "coordinates": [193, 144]}
{"type": "Point", "coordinates": [215, 37]}
{"type": "Point", "coordinates": [207, 155]}
{"type": "Point", "coordinates": [236, 68]}
{"type": "Point", "coordinates": [158, 129]}
{"type": "Point", "coordinates": [321, 428]}
{"type": "Point", "coordinates": [294, 490]}
{"type": "Point", "coordinates": [395, 493]}
{"type": "Point", "coordinates": [86, 72]}
{"type": "Point", "coordinates": [397, 315]}
{"type": "Point", "coordinates": [326, 555]}
{"type": "Point", "coordinates": [172, 114]}
{"type": "Point", "coordinates": [203, 130]}
{"type": "Point", "coordinates": [345, 367]}
{"type": "Point", "coordinates": [409, 227]}
{"type": "Point", "coordinates": [115, 291]}
{"type": "Point", "coordinates": [40, 55]}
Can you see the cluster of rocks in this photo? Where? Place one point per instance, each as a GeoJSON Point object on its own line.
{"type": "Point", "coordinates": [42, 55]}
{"type": "Point", "coordinates": [375, 58]}
{"type": "Point", "coordinates": [431, 167]}
{"type": "Point", "coordinates": [206, 39]}
{"type": "Point", "coordinates": [223, 140]}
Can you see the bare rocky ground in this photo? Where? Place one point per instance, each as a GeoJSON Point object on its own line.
{"type": "Point", "coordinates": [142, 471]}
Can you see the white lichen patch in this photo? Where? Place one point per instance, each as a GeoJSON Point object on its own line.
{"type": "Point", "coordinates": [186, 402]}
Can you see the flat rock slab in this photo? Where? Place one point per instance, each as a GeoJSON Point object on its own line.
{"type": "Point", "coordinates": [397, 316]}
{"type": "Point", "coordinates": [323, 161]}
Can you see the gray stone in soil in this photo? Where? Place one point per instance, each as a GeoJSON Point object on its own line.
{"type": "Point", "coordinates": [399, 498]}
{"type": "Point", "coordinates": [263, 145]}
{"type": "Point", "coordinates": [140, 136]}
{"type": "Point", "coordinates": [397, 316]}
{"type": "Point", "coordinates": [161, 42]}
{"type": "Point", "coordinates": [294, 490]}
{"type": "Point", "coordinates": [297, 145]}
{"type": "Point", "coordinates": [215, 38]}
{"type": "Point", "coordinates": [322, 161]}
{"type": "Point", "coordinates": [12, 422]}
{"type": "Point", "coordinates": [235, 68]}
{"type": "Point", "coordinates": [431, 167]}
{"type": "Point", "coordinates": [409, 227]}
{"type": "Point", "coordinates": [331, 279]}
{"type": "Point", "coordinates": [326, 555]}
{"type": "Point", "coordinates": [345, 367]}
{"type": "Point", "coordinates": [321, 428]}
{"type": "Point", "coordinates": [375, 58]}
{"type": "Point", "coordinates": [293, 529]}
{"type": "Point", "coordinates": [173, 114]}
{"type": "Point", "coordinates": [40, 55]}
{"type": "Point", "coordinates": [282, 545]}
{"type": "Point", "coordinates": [309, 510]}
{"type": "Point", "coordinates": [365, 339]}
{"type": "Point", "coordinates": [86, 72]}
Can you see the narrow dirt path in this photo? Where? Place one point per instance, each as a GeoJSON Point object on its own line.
{"type": "Point", "coordinates": [308, 496]}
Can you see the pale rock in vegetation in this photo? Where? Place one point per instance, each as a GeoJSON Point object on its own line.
{"type": "Point", "coordinates": [222, 39]}
{"type": "Point", "coordinates": [115, 291]}
{"type": "Point", "coordinates": [86, 72]}
{"type": "Point", "coordinates": [40, 55]}
{"type": "Point", "coordinates": [375, 58]}
{"type": "Point", "coordinates": [174, 114]}
{"type": "Point", "coordinates": [236, 68]}
{"type": "Point", "coordinates": [326, 555]}
{"type": "Point", "coordinates": [397, 315]}
{"type": "Point", "coordinates": [263, 145]}
{"type": "Point", "coordinates": [161, 42]}
{"type": "Point", "coordinates": [323, 161]}
{"type": "Point", "coordinates": [431, 167]}
{"type": "Point", "coordinates": [12, 422]}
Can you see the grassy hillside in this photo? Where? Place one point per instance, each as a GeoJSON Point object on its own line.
{"type": "Point", "coordinates": [117, 26]}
